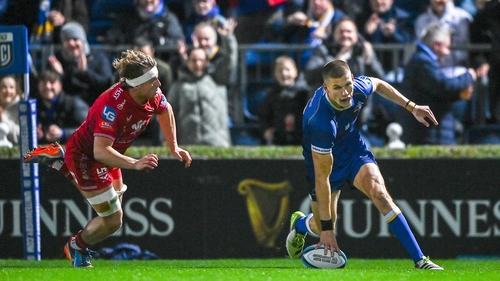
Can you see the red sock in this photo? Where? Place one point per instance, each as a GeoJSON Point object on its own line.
{"type": "Point", "coordinates": [79, 241]}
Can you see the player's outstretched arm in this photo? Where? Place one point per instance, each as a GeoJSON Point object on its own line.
{"type": "Point", "coordinates": [421, 112]}
{"type": "Point", "coordinates": [167, 125]}
{"type": "Point", "coordinates": [105, 153]}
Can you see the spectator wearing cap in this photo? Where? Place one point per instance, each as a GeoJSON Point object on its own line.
{"type": "Point", "coordinates": [84, 73]}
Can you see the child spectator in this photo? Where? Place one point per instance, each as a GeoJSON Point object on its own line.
{"type": "Point", "coordinates": [280, 115]}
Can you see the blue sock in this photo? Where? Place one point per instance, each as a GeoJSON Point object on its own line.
{"type": "Point", "coordinates": [301, 225]}
{"type": "Point", "coordinates": [399, 226]}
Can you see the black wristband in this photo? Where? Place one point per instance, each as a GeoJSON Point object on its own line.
{"type": "Point", "coordinates": [407, 103]}
{"type": "Point", "coordinates": [326, 225]}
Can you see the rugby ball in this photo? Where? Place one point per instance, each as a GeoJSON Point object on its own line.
{"type": "Point", "coordinates": [316, 258]}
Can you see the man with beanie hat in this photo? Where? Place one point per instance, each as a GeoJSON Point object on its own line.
{"type": "Point", "coordinates": [85, 73]}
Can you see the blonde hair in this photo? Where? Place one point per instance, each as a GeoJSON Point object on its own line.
{"type": "Point", "coordinates": [132, 64]}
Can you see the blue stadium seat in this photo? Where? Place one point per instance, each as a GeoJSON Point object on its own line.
{"type": "Point", "coordinates": [482, 134]}
{"type": "Point", "coordinates": [255, 94]}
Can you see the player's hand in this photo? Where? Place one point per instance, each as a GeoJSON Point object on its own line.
{"type": "Point", "coordinates": [423, 111]}
{"type": "Point", "coordinates": [149, 161]}
{"type": "Point", "coordinates": [329, 241]}
{"type": "Point", "coordinates": [182, 155]}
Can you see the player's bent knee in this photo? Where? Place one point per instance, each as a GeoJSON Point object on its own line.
{"type": "Point", "coordinates": [106, 204]}
{"type": "Point", "coordinates": [121, 191]}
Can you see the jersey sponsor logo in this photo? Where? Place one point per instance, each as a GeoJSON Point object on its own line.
{"type": "Point", "coordinates": [105, 125]}
{"type": "Point", "coordinates": [321, 150]}
{"type": "Point", "coordinates": [118, 93]}
{"type": "Point", "coordinates": [129, 118]}
{"type": "Point", "coordinates": [138, 126]}
{"type": "Point", "coordinates": [163, 101]}
{"type": "Point", "coordinates": [108, 114]}
{"type": "Point", "coordinates": [102, 173]}
{"type": "Point", "coordinates": [120, 106]}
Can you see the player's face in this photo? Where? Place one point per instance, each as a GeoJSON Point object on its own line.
{"type": "Point", "coordinates": [149, 88]}
{"type": "Point", "coordinates": [339, 90]}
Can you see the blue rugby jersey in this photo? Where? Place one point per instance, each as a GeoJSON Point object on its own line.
{"type": "Point", "coordinates": [326, 129]}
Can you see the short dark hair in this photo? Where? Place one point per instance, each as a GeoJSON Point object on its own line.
{"type": "Point", "coordinates": [49, 75]}
{"type": "Point", "coordinates": [335, 69]}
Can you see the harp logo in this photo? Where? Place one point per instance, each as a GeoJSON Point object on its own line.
{"type": "Point", "coordinates": [6, 49]}
{"type": "Point", "coordinates": [267, 205]}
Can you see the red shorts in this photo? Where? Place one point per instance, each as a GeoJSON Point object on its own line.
{"type": "Point", "coordinates": [89, 173]}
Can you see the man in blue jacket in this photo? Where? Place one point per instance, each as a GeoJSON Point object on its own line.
{"type": "Point", "coordinates": [425, 81]}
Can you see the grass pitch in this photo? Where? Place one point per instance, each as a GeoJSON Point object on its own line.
{"type": "Point", "coordinates": [246, 269]}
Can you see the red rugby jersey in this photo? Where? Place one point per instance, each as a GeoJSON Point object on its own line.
{"type": "Point", "coordinates": [115, 115]}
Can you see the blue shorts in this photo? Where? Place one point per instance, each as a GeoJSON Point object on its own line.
{"type": "Point", "coordinates": [343, 172]}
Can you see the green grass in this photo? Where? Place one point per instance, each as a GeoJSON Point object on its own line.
{"type": "Point", "coordinates": [247, 269]}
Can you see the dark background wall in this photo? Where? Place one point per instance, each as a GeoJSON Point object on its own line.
{"type": "Point", "coordinates": [453, 206]}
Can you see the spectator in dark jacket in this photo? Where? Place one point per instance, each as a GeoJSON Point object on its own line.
{"type": "Point", "coordinates": [425, 82]}
{"type": "Point", "coordinates": [84, 73]}
{"type": "Point", "coordinates": [486, 29]}
{"type": "Point", "coordinates": [280, 115]}
{"type": "Point", "coordinates": [149, 19]}
{"type": "Point", "coordinates": [383, 22]}
{"type": "Point", "coordinates": [59, 114]}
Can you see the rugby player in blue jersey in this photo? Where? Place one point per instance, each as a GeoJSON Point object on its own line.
{"type": "Point", "coordinates": [335, 154]}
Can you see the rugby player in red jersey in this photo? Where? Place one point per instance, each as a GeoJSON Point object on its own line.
{"type": "Point", "coordinates": [94, 154]}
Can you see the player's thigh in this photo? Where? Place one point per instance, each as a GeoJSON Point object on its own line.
{"type": "Point", "coordinates": [105, 201]}
{"type": "Point", "coordinates": [369, 178]}
{"type": "Point", "coordinates": [370, 181]}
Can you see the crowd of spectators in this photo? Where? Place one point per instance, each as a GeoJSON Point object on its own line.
{"type": "Point", "coordinates": [334, 29]}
